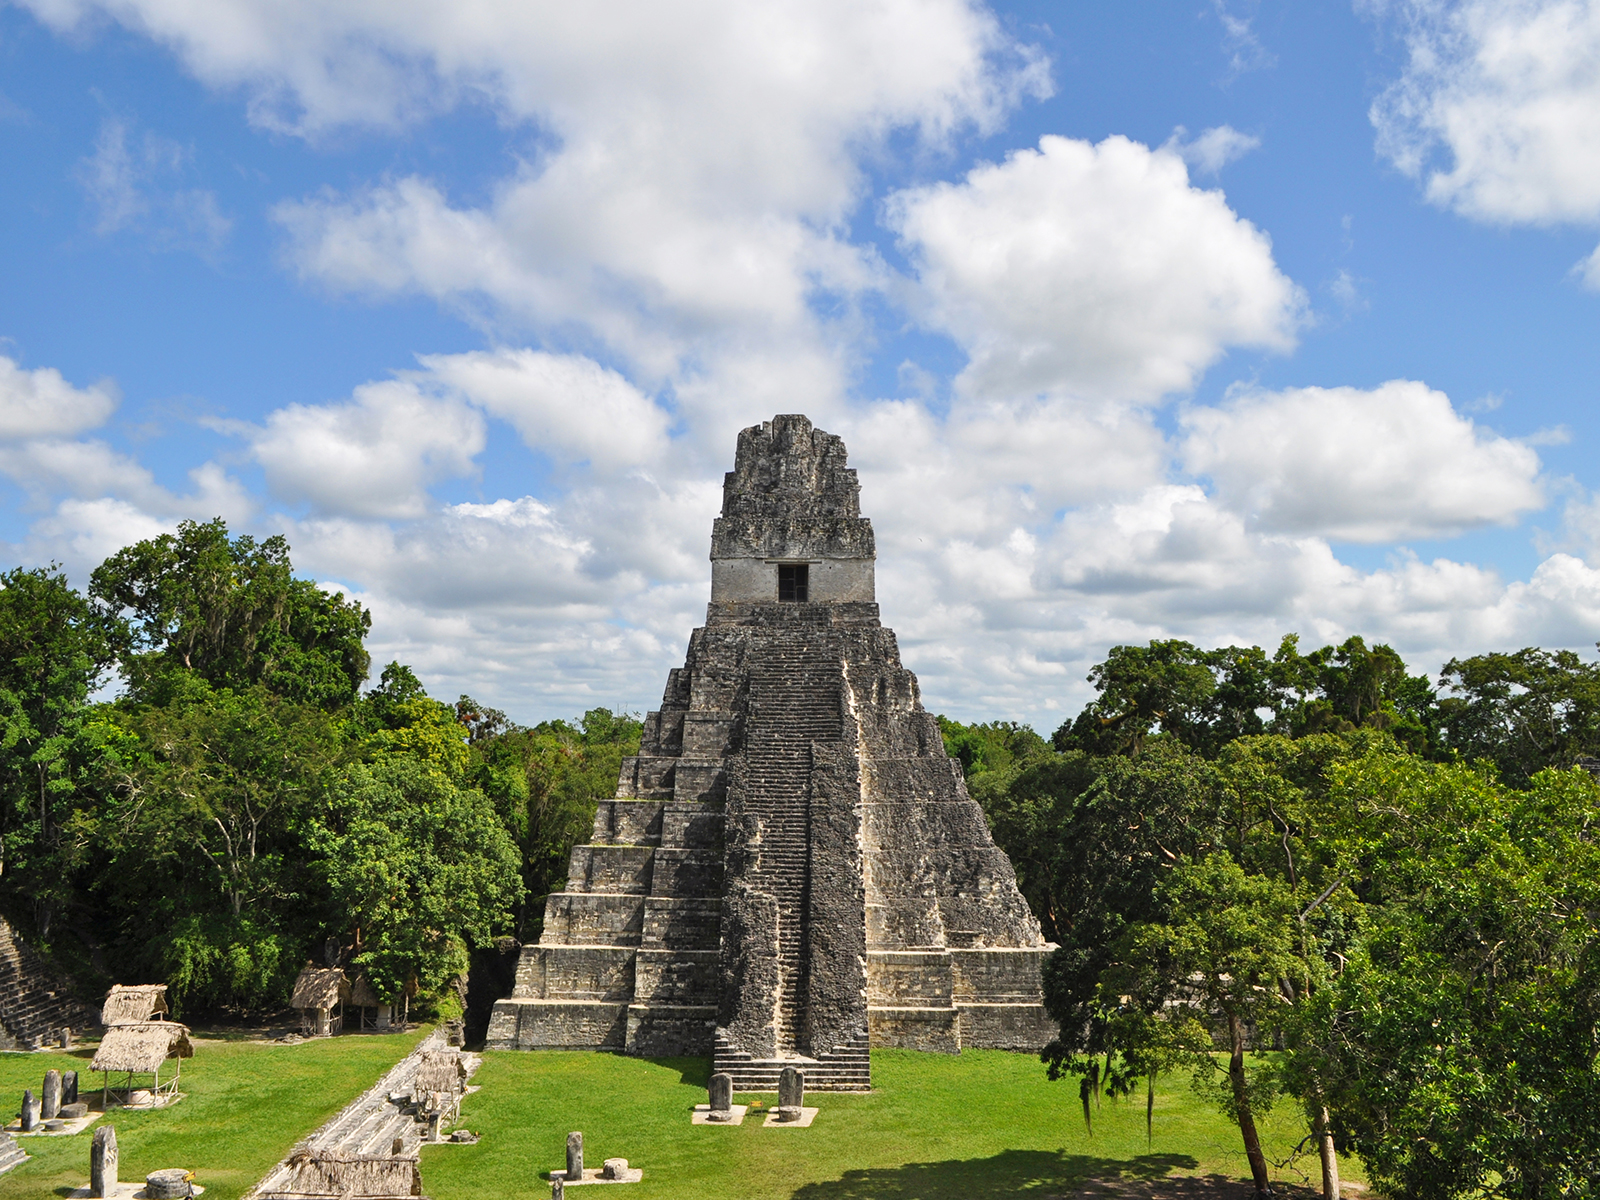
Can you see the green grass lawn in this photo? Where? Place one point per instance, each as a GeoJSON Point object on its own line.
{"type": "Point", "coordinates": [984, 1123]}
{"type": "Point", "coordinates": [247, 1103]}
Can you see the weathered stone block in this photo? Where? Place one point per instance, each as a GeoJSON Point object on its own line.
{"type": "Point", "coordinates": [708, 734]}
{"type": "Point", "coordinates": [678, 872]}
{"type": "Point", "coordinates": [647, 777]}
{"type": "Point", "coordinates": [628, 822]}
{"type": "Point", "coordinates": [610, 869]}
{"type": "Point", "coordinates": [579, 918]}
{"type": "Point", "coordinates": [1008, 975]}
{"type": "Point", "coordinates": [681, 923]}
{"type": "Point", "coordinates": [910, 979]}
{"type": "Point", "coordinates": [693, 825]}
{"type": "Point", "coordinates": [932, 1029]}
{"type": "Point", "coordinates": [1024, 1027]}
{"type": "Point", "coordinates": [671, 1030]}
{"type": "Point", "coordinates": [703, 781]}
{"type": "Point", "coordinates": [562, 1024]}
{"type": "Point", "coordinates": [586, 972]}
{"type": "Point", "coordinates": [676, 977]}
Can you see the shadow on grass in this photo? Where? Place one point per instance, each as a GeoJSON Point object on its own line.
{"type": "Point", "coordinates": [696, 1072]}
{"type": "Point", "coordinates": [1009, 1173]}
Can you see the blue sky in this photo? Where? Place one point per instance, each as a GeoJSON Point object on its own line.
{"type": "Point", "coordinates": [1212, 320]}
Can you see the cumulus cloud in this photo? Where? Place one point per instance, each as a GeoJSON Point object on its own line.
{"type": "Point", "coordinates": [1508, 94]}
{"type": "Point", "coordinates": [565, 406]}
{"type": "Point", "coordinates": [1383, 465]}
{"type": "Point", "coordinates": [40, 403]}
{"type": "Point", "coordinates": [697, 170]}
{"type": "Point", "coordinates": [1094, 269]}
{"type": "Point", "coordinates": [374, 455]}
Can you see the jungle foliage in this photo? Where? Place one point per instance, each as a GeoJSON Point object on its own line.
{"type": "Point", "coordinates": [1315, 879]}
{"type": "Point", "coordinates": [242, 806]}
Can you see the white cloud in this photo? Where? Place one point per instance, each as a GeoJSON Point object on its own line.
{"type": "Point", "coordinates": [1214, 149]}
{"type": "Point", "coordinates": [372, 456]}
{"type": "Point", "coordinates": [1384, 465]}
{"type": "Point", "coordinates": [696, 170]}
{"type": "Point", "coordinates": [130, 188]}
{"type": "Point", "coordinates": [1510, 94]}
{"type": "Point", "coordinates": [40, 403]}
{"type": "Point", "coordinates": [567, 407]}
{"type": "Point", "coordinates": [1241, 43]}
{"type": "Point", "coordinates": [310, 65]}
{"type": "Point", "coordinates": [1587, 271]}
{"type": "Point", "coordinates": [1094, 269]}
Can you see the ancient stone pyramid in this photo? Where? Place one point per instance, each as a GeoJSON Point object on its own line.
{"type": "Point", "coordinates": [792, 870]}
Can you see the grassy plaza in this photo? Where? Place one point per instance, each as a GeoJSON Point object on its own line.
{"type": "Point", "coordinates": [245, 1104]}
{"type": "Point", "coordinates": [984, 1123]}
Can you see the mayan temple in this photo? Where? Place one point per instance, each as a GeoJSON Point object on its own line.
{"type": "Point", "coordinates": [792, 870]}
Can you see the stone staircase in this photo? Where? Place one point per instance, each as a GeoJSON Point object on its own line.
{"type": "Point", "coordinates": [848, 1069]}
{"type": "Point", "coordinates": [794, 700]}
{"type": "Point", "coordinates": [11, 1154]}
{"type": "Point", "coordinates": [34, 1002]}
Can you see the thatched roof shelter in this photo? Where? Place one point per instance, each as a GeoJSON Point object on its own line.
{"type": "Point", "coordinates": [319, 987]}
{"type": "Point", "coordinates": [133, 1004]}
{"type": "Point", "coordinates": [142, 1049]}
{"type": "Point", "coordinates": [320, 1174]}
{"type": "Point", "coordinates": [441, 1071]}
{"type": "Point", "coordinates": [363, 996]}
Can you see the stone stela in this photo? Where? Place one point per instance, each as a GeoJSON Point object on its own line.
{"type": "Point", "coordinates": [791, 871]}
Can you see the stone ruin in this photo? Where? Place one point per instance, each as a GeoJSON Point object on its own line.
{"type": "Point", "coordinates": [791, 871]}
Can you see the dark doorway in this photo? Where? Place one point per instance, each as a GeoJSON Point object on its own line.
{"type": "Point", "coordinates": [793, 583]}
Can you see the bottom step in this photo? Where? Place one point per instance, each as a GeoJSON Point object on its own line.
{"type": "Point", "coordinates": [845, 1070]}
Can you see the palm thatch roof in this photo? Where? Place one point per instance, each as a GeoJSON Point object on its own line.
{"type": "Point", "coordinates": [322, 1173]}
{"type": "Point", "coordinates": [133, 1004]}
{"type": "Point", "coordinates": [319, 987]}
{"type": "Point", "coordinates": [441, 1071]}
{"type": "Point", "coordinates": [362, 994]}
{"type": "Point", "coordinates": [141, 1048]}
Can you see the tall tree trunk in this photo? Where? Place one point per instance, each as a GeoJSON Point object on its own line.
{"type": "Point", "coordinates": [1330, 1157]}
{"type": "Point", "coordinates": [1241, 1100]}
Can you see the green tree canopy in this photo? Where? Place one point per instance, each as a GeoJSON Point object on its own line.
{"type": "Point", "coordinates": [54, 649]}
{"type": "Point", "coordinates": [421, 869]}
{"type": "Point", "coordinates": [230, 611]}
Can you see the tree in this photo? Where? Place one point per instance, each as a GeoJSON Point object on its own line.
{"type": "Point", "coordinates": [54, 648]}
{"type": "Point", "coordinates": [202, 837]}
{"type": "Point", "coordinates": [999, 746]}
{"type": "Point", "coordinates": [1220, 943]}
{"type": "Point", "coordinates": [1167, 684]}
{"type": "Point", "coordinates": [398, 717]}
{"type": "Point", "coordinates": [1524, 711]}
{"type": "Point", "coordinates": [1208, 698]}
{"type": "Point", "coordinates": [230, 611]}
{"type": "Point", "coordinates": [1115, 843]}
{"type": "Point", "coordinates": [421, 869]}
{"type": "Point", "coordinates": [1457, 1040]}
